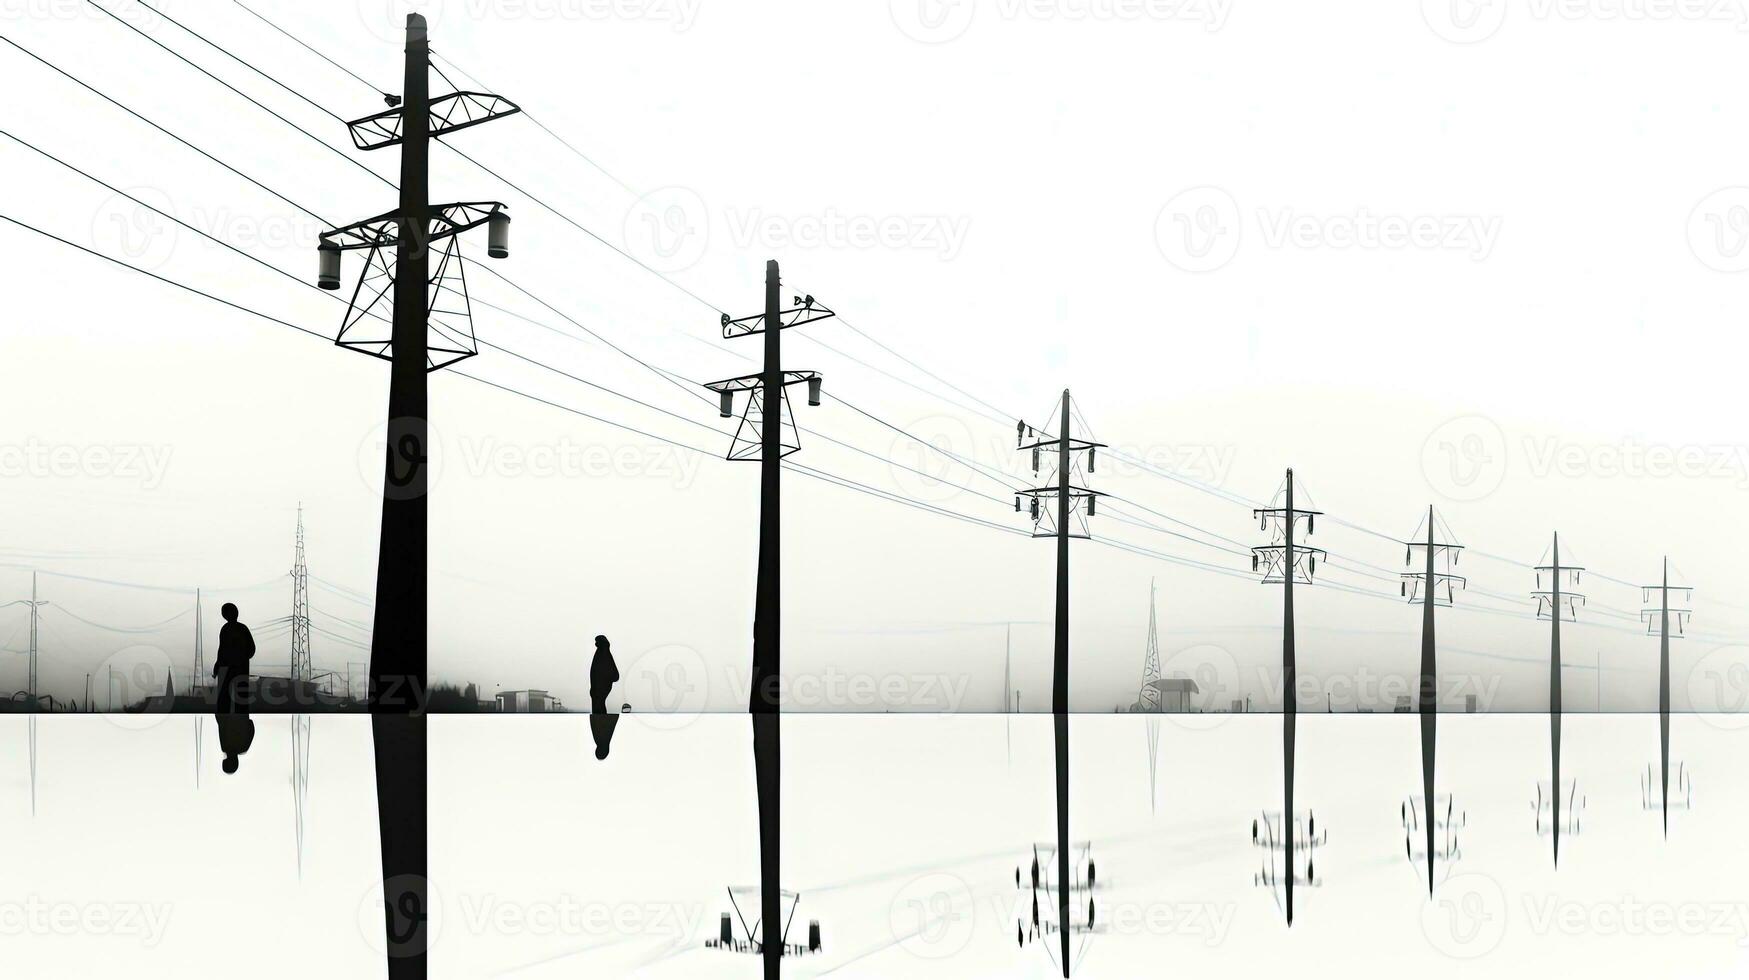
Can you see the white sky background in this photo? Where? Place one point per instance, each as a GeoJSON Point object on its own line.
{"type": "Point", "coordinates": [1037, 160]}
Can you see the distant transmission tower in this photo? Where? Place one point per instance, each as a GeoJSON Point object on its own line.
{"type": "Point", "coordinates": [1283, 562]}
{"type": "Point", "coordinates": [1554, 605]}
{"type": "Point", "coordinates": [300, 615]}
{"type": "Point", "coordinates": [1148, 700]}
{"type": "Point", "coordinates": [1662, 630]}
{"type": "Point", "coordinates": [1427, 585]}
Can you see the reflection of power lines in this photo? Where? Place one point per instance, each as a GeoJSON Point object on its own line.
{"type": "Point", "coordinates": [1439, 824]}
{"type": "Point", "coordinates": [1554, 605]}
{"type": "Point", "coordinates": [1041, 890]}
{"type": "Point", "coordinates": [752, 938]}
{"type": "Point", "coordinates": [1289, 853]}
{"type": "Point", "coordinates": [1547, 807]}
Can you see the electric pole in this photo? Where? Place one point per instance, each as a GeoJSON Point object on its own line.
{"type": "Point", "coordinates": [767, 410]}
{"type": "Point", "coordinates": [423, 302]}
{"type": "Point", "coordinates": [1068, 497]}
{"type": "Point", "coordinates": [1554, 605]}
{"type": "Point", "coordinates": [1425, 585]}
{"type": "Point", "coordinates": [1282, 562]}
{"type": "Point", "coordinates": [1664, 612]}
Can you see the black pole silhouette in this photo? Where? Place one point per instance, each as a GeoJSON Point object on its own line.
{"type": "Point", "coordinates": [1060, 680]}
{"type": "Point", "coordinates": [397, 647]}
{"type": "Point", "coordinates": [1556, 604]}
{"type": "Point", "coordinates": [1664, 588]}
{"type": "Point", "coordinates": [1289, 700]}
{"type": "Point", "coordinates": [1429, 700]}
{"type": "Point", "coordinates": [1426, 585]}
{"type": "Point", "coordinates": [1064, 492]}
{"type": "Point", "coordinates": [768, 389]}
{"type": "Point", "coordinates": [397, 687]}
{"type": "Point", "coordinates": [1280, 563]}
{"type": "Point", "coordinates": [763, 701]}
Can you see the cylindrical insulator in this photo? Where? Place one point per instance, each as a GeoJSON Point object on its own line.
{"type": "Point", "coordinates": [814, 391]}
{"type": "Point", "coordinates": [725, 404]}
{"type": "Point", "coordinates": [1035, 508]}
{"type": "Point", "coordinates": [328, 266]}
{"type": "Point", "coordinates": [1092, 457]}
{"type": "Point", "coordinates": [1092, 502]}
{"type": "Point", "coordinates": [1017, 505]}
{"type": "Point", "coordinates": [1035, 459]}
{"type": "Point", "coordinates": [498, 235]}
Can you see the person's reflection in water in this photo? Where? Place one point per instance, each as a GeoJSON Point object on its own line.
{"type": "Point", "coordinates": [231, 694]}
{"type": "Point", "coordinates": [236, 734]}
{"type": "Point", "coordinates": [601, 726]}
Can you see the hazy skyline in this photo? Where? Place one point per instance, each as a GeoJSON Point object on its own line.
{"type": "Point", "coordinates": [1244, 245]}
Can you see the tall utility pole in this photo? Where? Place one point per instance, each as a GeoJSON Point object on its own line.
{"type": "Point", "coordinates": [1067, 496]}
{"type": "Point", "coordinates": [300, 615]}
{"type": "Point", "coordinates": [1282, 562]}
{"type": "Point", "coordinates": [1554, 605]}
{"type": "Point", "coordinates": [1664, 612]}
{"type": "Point", "coordinates": [1425, 585]}
{"type": "Point", "coordinates": [194, 683]}
{"type": "Point", "coordinates": [423, 301]}
{"type": "Point", "coordinates": [769, 391]}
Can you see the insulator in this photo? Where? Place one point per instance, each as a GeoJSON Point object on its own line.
{"type": "Point", "coordinates": [328, 266]}
{"type": "Point", "coordinates": [1262, 523]}
{"type": "Point", "coordinates": [1091, 502]}
{"type": "Point", "coordinates": [1407, 556]}
{"type": "Point", "coordinates": [1311, 563]}
{"type": "Point", "coordinates": [1035, 508]}
{"type": "Point", "coordinates": [1311, 523]}
{"type": "Point", "coordinates": [1035, 459]}
{"type": "Point", "coordinates": [1092, 456]}
{"type": "Point", "coordinates": [814, 390]}
{"type": "Point", "coordinates": [725, 404]}
{"type": "Point", "coordinates": [1019, 434]}
{"type": "Point", "coordinates": [1450, 596]}
{"type": "Point", "coordinates": [498, 235]}
{"type": "Point", "coordinates": [1403, 589]}
{"type": "Point", "coordinates": [725, 321]}
{"type": "Point", "coordinates": [1017, 503]}
{"type": "Point", "coordinates": [1254, 563]}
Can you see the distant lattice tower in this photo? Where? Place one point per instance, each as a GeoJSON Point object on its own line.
{"type": "Point", "coordinates": [300, 617]}
{"type": "Point", "coordinates": [1149, 698]}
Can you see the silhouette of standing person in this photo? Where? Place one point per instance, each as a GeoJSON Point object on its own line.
{"type": "Point", "coordinates": [231, 666]}
{"type": "Point", "coordinates": [603, 674]}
